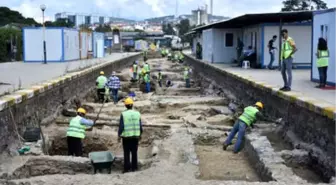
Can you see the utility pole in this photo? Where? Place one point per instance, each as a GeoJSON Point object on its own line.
{"type": "Point", "coordinates": [43, 8]}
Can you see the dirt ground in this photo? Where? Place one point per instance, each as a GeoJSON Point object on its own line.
{"type": "Point", "coordinates": [174, 125]}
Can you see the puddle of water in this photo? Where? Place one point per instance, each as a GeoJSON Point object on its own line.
{"type": "Point", "coordinates": [216, 164]}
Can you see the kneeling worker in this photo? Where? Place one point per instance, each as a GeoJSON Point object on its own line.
{"type": "Point", "coordinates": [130, 130]}
{"type": "Point", "coordinates": [248, 118]}
{"type": "Point", "coordinates": [76, 132]}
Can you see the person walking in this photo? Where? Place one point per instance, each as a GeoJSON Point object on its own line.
{"type": "Point", "coordinates": [114, 85]}
{"type": "Point", "coordinates": [147, 82]}
{"type": "Point", "coordinates": [100, 86]}
{"type": "Point", "coordinates": [322, 61]}
{"type": "Point", "coordinates": [76, 132]}
{"type": "Point", "coordinates": [135, 70]}
{"type": "Point", "coordinates": [247, 119]}
{"type": "Point", "coordinates": [130, 130]}
{"type": "Point", "coordinates": [288, 49]}
{"type": "Point", "coordinates": [271, 50]}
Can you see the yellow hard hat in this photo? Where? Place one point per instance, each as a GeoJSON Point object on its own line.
{"type": "Point", "coordinates": [81, 110]}
{"type": "Point", "coordinates": [128, 101]}
{"type": "Point", "coordinates": [102, 72]}
{"type": "Point", "coordinates": [259, 104]}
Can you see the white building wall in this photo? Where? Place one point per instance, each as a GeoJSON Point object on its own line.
{"type": "Point", "coordinates": [84, 44]}
{"type": "Point", "coordinates": [33, 44]}
{"type": "Point", "coordinates": [326, 19]}
{"type": "Point", "coordinates": [222, 53]}
{"type": "Point", "coordinates": [98, 45]}
{"type": "Point", "coordinates": [207, 44]}
{"type": "Point", "coordinates": [71, 45]}
{"type": "Point", "coordinates": [301, 34]}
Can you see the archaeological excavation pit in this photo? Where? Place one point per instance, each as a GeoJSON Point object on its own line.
{"type": "Point", "coordinates": [184, 130]}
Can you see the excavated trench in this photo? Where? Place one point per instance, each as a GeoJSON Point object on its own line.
{"type": "Point", "coordinates": [184, 129]}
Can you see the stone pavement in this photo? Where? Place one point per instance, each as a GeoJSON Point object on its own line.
{"type": "Point", "coordinates": [29, 74]}
{"type": "Point", "coordinates": [301, 81]}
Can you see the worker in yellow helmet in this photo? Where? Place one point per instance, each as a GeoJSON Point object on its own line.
{"type": "Point", "coordinates": [250, 115]}
{"type": "Point", "coordinates": [130, 130]}
{"type": "Point", "coordinates": [100, 85]}
{"type": "Point", "coordinates": [76, 132]}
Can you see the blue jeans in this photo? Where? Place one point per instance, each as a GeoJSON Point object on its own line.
{"type": "Point", "coordinates": [147, 87]}
{"type": "Point", "coordinates": [287, 67]}
{"type": "Point", "coordinates": [187, 83]}
{"type": "Point", "coordinates": [114, 95]}
{"type": "Point", "coordinates": [272, 60]}
{"type": "Point", "coordinates": [239, 127]}
{"type": "Point", "coordinates": [134, 76]}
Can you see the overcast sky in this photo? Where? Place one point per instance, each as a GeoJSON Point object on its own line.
{"type": "Point", "coordinates": [140, 9]}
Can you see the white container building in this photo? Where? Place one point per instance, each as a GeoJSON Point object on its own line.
{"type": "Point", "coordinates": [62, 44]}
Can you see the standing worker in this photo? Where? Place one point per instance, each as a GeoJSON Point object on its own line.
{"type": "Point", "coordinates": [247, 119]}
{"type": "Point", "coordinates": [144, 53]}
{"type": "Point", "coordinates": [147, 82]}
{"type": "Point", "coordinates": [288, 48]}
{"type": "Point", "coordinates": [147, 67]}
{"type": "Point", "coordinates": [76, 132]}
{"type": "Point", "coordinates": [100, 83]}
{"type": "Point", "coordinates": [135, 70]}
{"type": "Point", "coordinates": [130, 130]}
{"type": "Point", "coordinates": [322, 61]}
{"type": "Point", "coordinates": [114, 85]}
{"type": "Point", "coordinates": [186, 77]}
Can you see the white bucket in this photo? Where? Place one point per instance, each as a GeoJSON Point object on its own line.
{"type": "Point", "coordinates": [246, 64]}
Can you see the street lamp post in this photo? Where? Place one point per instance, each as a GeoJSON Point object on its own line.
{"type": "Point", "coordinates": [43, 8]}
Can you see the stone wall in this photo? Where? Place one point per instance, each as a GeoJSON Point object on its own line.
{"type": "Point", "coordinates": [27, 107]}
{"type": "Point", "coordinates": [312, 124]}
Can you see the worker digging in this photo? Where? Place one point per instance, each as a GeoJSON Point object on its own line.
{"type": "Point", "coordinates": [154, 133]}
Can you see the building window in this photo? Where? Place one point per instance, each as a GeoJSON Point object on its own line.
{"type": "Point", "coordinates": [228, 39]}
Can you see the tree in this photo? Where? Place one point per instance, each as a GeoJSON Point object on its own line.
{"type": "Point", "coordinates": [184, 27]}
{"type": "Point", "coordinates": [7, 16]}
{"type": "Point", "coordinates": [300, 5]}
{"type": "Point", "coordinates": [84, 27]}
{"type": "Point", "coordinates": [168, 29]}
{"type": "Point", "coordinates": [103, 28]}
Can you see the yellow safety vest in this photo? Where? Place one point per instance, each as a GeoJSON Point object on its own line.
{"type": "Point", "coordinates": [249, 115]}
{"type": "Point", "coordinates": [131, 120]}
{"type": "Point", "coordinates": [287, 49]}
{"type": "Point", "coordinates": [323, 58]}
{"type": "Point", "coordinates": [76, 129]}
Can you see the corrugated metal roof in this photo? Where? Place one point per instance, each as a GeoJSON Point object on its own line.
{"type": "Point", "coordinates": [252, 19]}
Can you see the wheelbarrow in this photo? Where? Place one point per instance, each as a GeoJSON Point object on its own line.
{"type": "Point", "coordinates": [101, 160]}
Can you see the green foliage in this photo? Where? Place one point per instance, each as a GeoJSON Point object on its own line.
{"type": "Point", "coordinates": [84, 27]}
{"type": "Point", "coordinates": [103, 28]}
{"type": "Point", "coordinates": [184, 27]}
{"type": "Point", "coordinates": [59, 23]}
{"type": "Point", "coordinates": [168, 29]}
{"type": "Point", "coordinates": [5, 38]}
{"type": "Point", "coordinates": [8, 16]}
{"type": "Point", "coordinates": [300, 5]}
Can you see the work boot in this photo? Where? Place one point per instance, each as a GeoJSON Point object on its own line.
{"type": "Point", "coordinates": [283, 88]}
{"type": "Point", "coordinates": [225, 146]}
{"type": "Point", "coordinates": [287, 89]}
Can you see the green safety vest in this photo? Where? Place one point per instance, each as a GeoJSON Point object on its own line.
{"type": "Point", "coordinates": [76, 129]}
{"type": "Point", "coordinates": [249, 115]}
{"type": "Point", "coordinates": [146, 78]}
{"type": "Point", "coordinates": [135, 68]}
{"type": "Point", "coordinates": [131, 120]}
{"type": "Point", "coordinates": [287, 49]}
{"type": "Point", "coordinates": [101, 82]}
{"type": "Point", "coordinates": [181, 56]}
{"type": "Point", "coordinates": [147, 68]}
{"type": "Point", "coordinates": [160, 76]}
{"type": "Point", "coordinates": [176, 56]}
{"type": "Point", "coordinates": [323, 58]}
{"type": "Point", "coordinates": [186, 74]}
